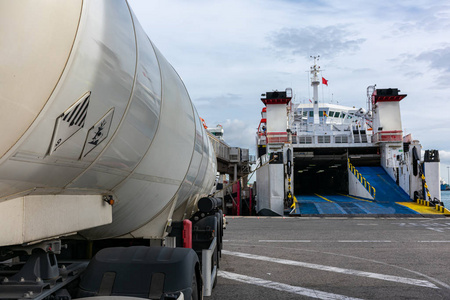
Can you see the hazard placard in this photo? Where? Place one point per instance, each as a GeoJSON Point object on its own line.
{"type": "Point", "coordinates": [98, 133]}
{"type": "Point", "coordinates": [70, 122]}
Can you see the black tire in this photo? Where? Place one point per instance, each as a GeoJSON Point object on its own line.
{"type": "Point", "coordinates": [219, 216]}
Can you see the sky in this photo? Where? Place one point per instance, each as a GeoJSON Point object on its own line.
{"type": "Point", "coordinates": [230, 52]}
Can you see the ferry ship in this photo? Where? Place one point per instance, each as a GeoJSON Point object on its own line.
{"type": "Point", "coordinates": [329, 159]}
{"type": "Point", "coordinates": [444, 186]}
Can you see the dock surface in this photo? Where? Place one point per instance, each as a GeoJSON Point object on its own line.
{"type": "Point", "coordinates": [335, 258]}
{"type": "Point", "coordinates": [322, 205]}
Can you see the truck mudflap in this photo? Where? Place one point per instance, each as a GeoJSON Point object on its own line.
{"type": "Point", "coordinates": [206, 240]}
{"type": "Point", "coordinates": [143, 272]}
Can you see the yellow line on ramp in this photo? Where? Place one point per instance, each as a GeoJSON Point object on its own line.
{"type": "Point", "coordinates": [324, 198]}
{"type": "Point", "coordinates": [355, 198]}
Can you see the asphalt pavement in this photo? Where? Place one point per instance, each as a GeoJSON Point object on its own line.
{"type": "Point", "coordinates": [334, 258]}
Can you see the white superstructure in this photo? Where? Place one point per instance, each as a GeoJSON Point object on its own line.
{"type": "Point", "coordinates": [318, 149]}
{"type": "Point", "coordinates": [337, 124]}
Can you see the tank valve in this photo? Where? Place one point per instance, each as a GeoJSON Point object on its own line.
{"type": "Point", "coordinates": [108, 199]}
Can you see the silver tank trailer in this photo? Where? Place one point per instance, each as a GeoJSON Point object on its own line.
{"type": "Point", "coordinates": [91, 110]}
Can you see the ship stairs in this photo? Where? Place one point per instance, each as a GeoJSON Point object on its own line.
{"type": "Point", "coordinates": [359, 135]}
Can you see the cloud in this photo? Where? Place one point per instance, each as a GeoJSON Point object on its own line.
{"type": "Point", "coordinates": [444, 156]}
{"type": "Point", "coordinates": [439, 60]}
{"type": "Point", "coordinates": [414, 74]}
{"type": "Point", "coordinates": [238, 117]}
{"type": "Point", "coordinates": [222, 101]}
{"type": "Point", "coordinates": [427, 16]}
{"type": "Point", "coordinates": [329, 41]}
{"type": "Point", "coordinates": [229, 52]}
{"type": "Point", "coordinates": [363, 71]}
{"type": "Point", "coordinates": [240, 133]}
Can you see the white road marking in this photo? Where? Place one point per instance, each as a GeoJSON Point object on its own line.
{"type": "Point", "coordinates": [325, 241]}
{"type": "Point", "coordinates": [282, 287]}
{"type": "Point", "coordinates": [285, 241]}
{"type": "Point", "coordinates": [342, 241]}
{"type": "Point", "coordinates": [405, 280]}
{"type": "Point", "coordinates": [433, 241]}
{"type": "Point", "coordinates": [438, 227]}
{"type": "Point", "coordinates": [432, 279]}
{"type": "Point", "coordinates": [363, 241]}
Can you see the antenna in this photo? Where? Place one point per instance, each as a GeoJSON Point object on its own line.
{"type": "Point", "coordinates": [316, 59]}
{"type": "Point", "coordinates": [314, 70]}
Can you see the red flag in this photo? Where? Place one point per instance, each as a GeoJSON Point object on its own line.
{"type": "Point", "coordinates": [310, 100]}
{"type": "Point", "coordinates": [324, 81]}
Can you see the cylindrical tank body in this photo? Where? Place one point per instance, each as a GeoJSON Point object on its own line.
{"type": "Point", "coordinates": [89, 105]}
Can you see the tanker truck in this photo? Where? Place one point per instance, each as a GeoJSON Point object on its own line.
{"type": "Point", "coordinates": [104, 162]}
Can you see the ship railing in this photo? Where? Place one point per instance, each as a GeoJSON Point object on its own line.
{"type": "Point", "coordinates": [329, 139]}
{"type": "Point", "coordinates": [277, 137]}
{"type": "Point", "coordinates": [372, 191]}
{"type": "Point", "coordinates": [311, 138]}
{"type": "Point", "coordinates": [221, 149]}
{"type": "Point", "coordinates": [388, 136]}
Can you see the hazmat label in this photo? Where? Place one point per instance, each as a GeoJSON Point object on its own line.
{"type": "Point", "coordinates": [98, 133]}
{"type": "Point", "coordinates": [70, 122]}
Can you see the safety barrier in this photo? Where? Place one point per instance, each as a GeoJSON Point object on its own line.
{"type": "Point", "coordinates": [362, 179]}
{"type": "Point", "coordinates": [438, 207]}
{"type": "Point", "coordinates": [423, 202]}
{"type": "Point", "coordinates": [442, 209]}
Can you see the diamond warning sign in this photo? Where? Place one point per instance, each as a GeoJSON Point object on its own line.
{"type": "Point", "coordinates": [70, 121]}
{"type": "Point", "coordinates": [98, 132]}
